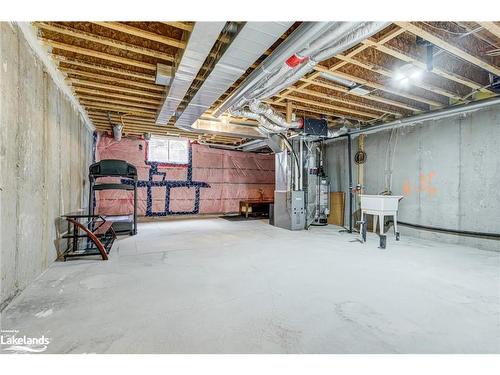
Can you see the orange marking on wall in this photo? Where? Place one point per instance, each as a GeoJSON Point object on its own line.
{"type": "Point", "coordinates": [406, 188]}
{"type": "Point", "coordinates": [425, 184]}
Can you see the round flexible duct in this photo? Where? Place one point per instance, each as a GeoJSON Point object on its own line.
{"type": "Point", "coordinates": [267, 111]}
{"type": "Point", "coordinates": [263, 121]}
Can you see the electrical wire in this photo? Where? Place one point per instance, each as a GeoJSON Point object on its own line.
{"type": "Point", "coordinates": [389, 159]}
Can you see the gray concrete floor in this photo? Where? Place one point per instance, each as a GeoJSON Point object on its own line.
{"type": "Point", "coordinates": [214, 286]}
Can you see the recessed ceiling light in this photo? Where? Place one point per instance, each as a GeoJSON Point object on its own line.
{"type": "Point", "coordinates": [407, 73]}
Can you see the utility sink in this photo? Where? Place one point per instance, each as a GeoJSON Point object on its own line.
{"type": "Point", "coordinates": [379, 206]}
{"type": "Point", "coordinates": [380, 202]}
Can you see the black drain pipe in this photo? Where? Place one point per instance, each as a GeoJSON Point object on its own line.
{"type": "Point", "coordinates": [450, 231]}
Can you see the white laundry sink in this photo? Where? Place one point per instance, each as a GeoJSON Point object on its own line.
{"type": "Point", "coordinates": [380, 206]}
{"type": "Point", "coordinates": [380, 203]}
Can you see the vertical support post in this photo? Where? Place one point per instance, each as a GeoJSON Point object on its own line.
{"type": "Point", "coordinates": [289, 111]}
{"type": "Point", "coordinates": [361, 169]}
{"type": "Point", "coordinates": [349, 155]}
{"type": "Point", "coordinates": [301, 164]}
{"type": "Point", "coordinates": [91, 195]}
{"type": "Point", "coordinates": [135, 206]}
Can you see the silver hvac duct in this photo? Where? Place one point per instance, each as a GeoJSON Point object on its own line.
{"type": "Point", "coordinates": [336, 30]}
{"type": "Point", "coordinates": [265, 123]}
{"type": "Point", "coordinates": [248, 45]}
{"type": "Point", "coordinates": [199, 45]}
{"type": "Point", "coordinates": [252, 145]}
{"type": "Point", "coordinates": [284, 70]}
{"type": "Point", "coordinates": [435, 115]}
{"type": "Point", "coordinates": [249, 144]}
{"type": "Point", "coordinates": [209, 125]}
{"type": "Point", "coordinates": [345, 37]}
{"type": "Point", "coordinates": [273, 116]}
{"type": "Point", "coordinates": [301, 36]}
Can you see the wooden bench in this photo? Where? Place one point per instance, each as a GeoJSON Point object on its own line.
{"type": "Point", "coordinates": [249, 205]}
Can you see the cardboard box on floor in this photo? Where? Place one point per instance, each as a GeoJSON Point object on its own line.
{"type": "Point", "coordinates": [337, 206]}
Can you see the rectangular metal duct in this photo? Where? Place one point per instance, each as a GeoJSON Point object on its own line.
{"type": "Point", "coordinates": [199, 45]}
{"type": "Point", "coordinates": [251, 42]}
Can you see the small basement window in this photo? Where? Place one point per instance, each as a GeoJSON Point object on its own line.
{"type": "Point", "coordinates": [168, 150]}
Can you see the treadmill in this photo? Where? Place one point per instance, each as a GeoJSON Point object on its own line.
{"type": "Point", "coordinates": [122, 224]}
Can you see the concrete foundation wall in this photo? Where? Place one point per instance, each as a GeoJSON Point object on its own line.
{"type": "Point", "coordinates": [45, 150]}
{"type": "Point", "coordinates": [448, 171]}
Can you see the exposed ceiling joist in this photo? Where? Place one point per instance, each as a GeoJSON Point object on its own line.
{"type": "Point", "coordinates": [332, 98]}
{"type": "Point", "coordinates": [111, 68]}
{"type": "Point", "coordinates": [87, 83]}
{"type": "Point", "coordinates": [117, 108]}
{"type": "Point", "coordinates": [492, 27]}
{"type": "Point", "coordinates": [180, 25]}
{"type": "Point", "coordinates": [127, 82]}
{"type": "Point", "coordinates": [80, 91]}
{"type": "Point", "coordinates": [99, 55]}
{"type": "Point", "coordinates": [449, 47]}
{"type": "Point", "coordinates": [108, 69]}
{"type": "Point", "coordinates": [104, 40]}
{"type": "Point", "coordinates": [331, 106]}
{"type": "Point", "coordinates": [141, 128]}
{"type": "Point", "coordinates": [311, 78]}
{"type": "Point", "coordinates": [436, 70]}
{"type": "Point", "coordinates": [127, 29]}
{"type": "Point", "coordinates": [379, 86]}
{"type": "Point", "coordinates": [92, 98]}
{"type": "Point", "coordinates": [369, 97]}
{"type": "Point", "coordinates": [306, 110]}
{"type": "Point", "coordinates": [388, 73]}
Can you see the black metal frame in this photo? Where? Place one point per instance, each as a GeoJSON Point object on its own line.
{"type": "Point", "coordinates": [103, 169]}
{"type": "Point", "coordinates": [96, 244]}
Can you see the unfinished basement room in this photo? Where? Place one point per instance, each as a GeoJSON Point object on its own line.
{"type": "Point", "coordinates": [250, 187]}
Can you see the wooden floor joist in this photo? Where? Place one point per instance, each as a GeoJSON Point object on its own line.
{"type": "Point", "coordinates": [102, 68]}
{"type": "Point", "coordinates": [91, 98]}
{"type": "Point", "coordinates": [313, 76]}
{"type": "Point", "coordinates": [492, 27]}
{"type": "Point", "coordinates": [381, 87]}
{"type": "Point", "coordinates": [391, 51]}
{"type": "Point", "coordinates": [449, 47]}
{"type": "Point", "coordinates": [332, 98]}
{"type": "Point", "coordinates": [123, 28]}
{"type": "Point", "coordinates": [99, 55]}
{"type": "Point", "coordinates": [318, 112]}
{"type": "Point", "coordinates": [103, 77]}
{"type": "Point", "coordinates": [93, 84]}
{"type": "Point", "coordinates": [117, 108]}
{"type": "Point", "coordinates": [155, 129]}
{"type": "Point", "coordinates": [370, 97]}
{"type": "Point", "coordinates": [111, 68]}
{"type": "Point", "coordinates": [391, 74]}
{"type": "Point", "coordinates": [81, 91]}
{"type": "Point", "coordinates": [180, 25]}
{"type": "Point", "coordinates": [104, 40]}
{"type": "Point", "coordinates": [332, 107]}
